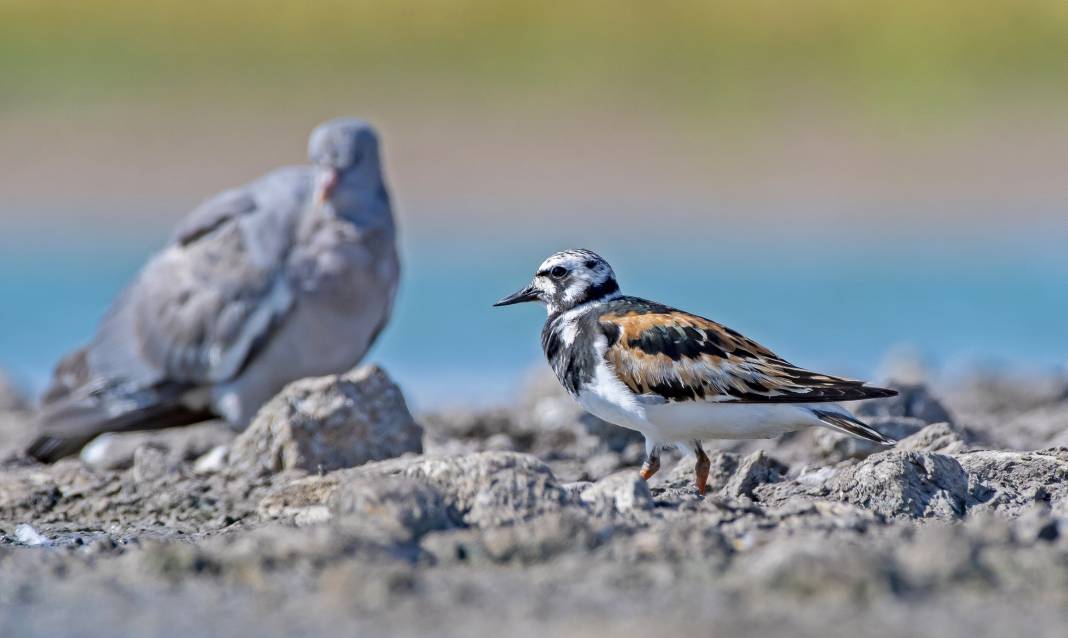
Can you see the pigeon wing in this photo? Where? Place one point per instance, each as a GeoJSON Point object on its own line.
{"type": "Point", "coordinates": [201, 308]}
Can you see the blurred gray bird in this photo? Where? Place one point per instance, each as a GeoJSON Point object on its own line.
{"type": "Point", "coordinates": [291, 275]}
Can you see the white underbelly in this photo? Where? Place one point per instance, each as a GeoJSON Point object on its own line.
{"type": "Point", "coordinates": [627, 416]}
{"type": "Point", "coordinates": [608, 399]}
{"type": "Point", "coordinates": [698, 420]}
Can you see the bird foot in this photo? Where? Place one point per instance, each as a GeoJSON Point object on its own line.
{"type": "Point", "coordinates": [650, 467]}
{"type": "Point", "coordinates": [701, 469]}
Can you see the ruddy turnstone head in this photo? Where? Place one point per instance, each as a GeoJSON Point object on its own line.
{"type": "Point", "coordinates": [676, 377]}
{"type": "Point", "coordinates": [568, 279]}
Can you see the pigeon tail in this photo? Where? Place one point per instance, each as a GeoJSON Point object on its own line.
{"type": "Point", "coordinates": [67, 425]}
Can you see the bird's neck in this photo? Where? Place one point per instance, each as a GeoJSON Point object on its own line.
{"type": "Point", "coordinates": [597, 293]}
{"type": "Point", "coordinates": [363, 200]}
{"type": "Point", "coordinates": [569, 351]}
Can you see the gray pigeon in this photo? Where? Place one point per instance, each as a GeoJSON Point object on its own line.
{"type": "Point", "coordinates": [289, 276]}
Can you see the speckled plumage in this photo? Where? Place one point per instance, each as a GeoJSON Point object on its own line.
{"type": "Point", "coordinates": [674, 376]}
{"type": "Point", "coordinates": [683, 357]}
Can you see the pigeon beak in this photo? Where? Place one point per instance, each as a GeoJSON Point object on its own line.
{"type": "Point", "coordinates": [325, 187]}
{"type": "Point", "coordinates": [530, 293]}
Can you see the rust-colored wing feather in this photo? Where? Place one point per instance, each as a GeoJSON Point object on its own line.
{"type": "Point", "coordinates": [662, 352]}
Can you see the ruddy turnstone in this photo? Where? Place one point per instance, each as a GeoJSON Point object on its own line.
{"type": "Point", "coordinates": [288, 276]}
{"type": "Point", "coordinates": [673, 376]}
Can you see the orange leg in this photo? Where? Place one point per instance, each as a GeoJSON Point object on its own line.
{"type": "Point", "coordinates": [651, 465]}
{"type": "Point", "coordinates": [700, 480]}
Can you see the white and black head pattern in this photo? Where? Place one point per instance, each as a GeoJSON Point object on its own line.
{"type": "Point", "coordinates": [568, 279]}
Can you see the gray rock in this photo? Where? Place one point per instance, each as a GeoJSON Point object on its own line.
{"type": "Point", "coordinates": [900, 483]}
{"type": "Point", "coordinates": [301, 500]}
{"type": "Point", "coordinates": [621, 492]}
{"type": "Point", "coordinates": [754, 470]}
{"type": "Point", "coordinates": [330, 422]}
{"type": "Point", "coordinates": [400, 505]}
{"type": "Point", "coordinates": [541, 539]}
{"type": "Point", "coordinates": [1012, 482]}
{"type": "Point", "coordinates": [150, 463]}
{"type": "Point", "coordinates": [484, 489]}
{"type": "Point", "coordinates": [933, 536]}
{"type": "Point", "coordinates": [937, 437]}
{"type": "Point", "coordinates": [909, 482]}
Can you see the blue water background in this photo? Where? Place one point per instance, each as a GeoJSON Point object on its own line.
{"type": "Point", "coordinates": [827, 297]}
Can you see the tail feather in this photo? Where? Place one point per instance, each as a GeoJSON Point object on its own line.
{"type": "Point", "coordinates": [849, 424]}
{"type": "Point", "coordinates": [67, 425]}
{"type": "Point", "coordinates": [873, 392]}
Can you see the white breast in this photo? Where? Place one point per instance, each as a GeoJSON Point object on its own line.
{"type": "Point", "coordinates": [606, 397]}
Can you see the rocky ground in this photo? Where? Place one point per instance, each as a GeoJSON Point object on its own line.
{"type": "Point", "coordinates": [337, 513]}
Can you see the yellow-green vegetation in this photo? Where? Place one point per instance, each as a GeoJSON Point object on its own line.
{"type": "Point", "coordinates": [901, 56]}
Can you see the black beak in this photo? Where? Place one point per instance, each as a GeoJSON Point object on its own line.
{"type": "Point", "coordinates": [530, 293]}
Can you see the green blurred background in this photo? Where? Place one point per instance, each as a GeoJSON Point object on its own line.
{"type": "Point", "coordinates": [887, 172]}
{"type": "Point", "coordinates": [739, 98]}
{"type": "Point", "coordinates": [889, 60]}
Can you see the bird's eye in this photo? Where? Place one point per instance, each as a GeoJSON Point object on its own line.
{"type": "Point", "coordinates": [558, 272]}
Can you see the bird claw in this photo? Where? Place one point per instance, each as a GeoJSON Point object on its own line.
{"type": "Point", "coordinates": [647, 472]}
{"type": "Point", "coordinates": [650, 467]}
